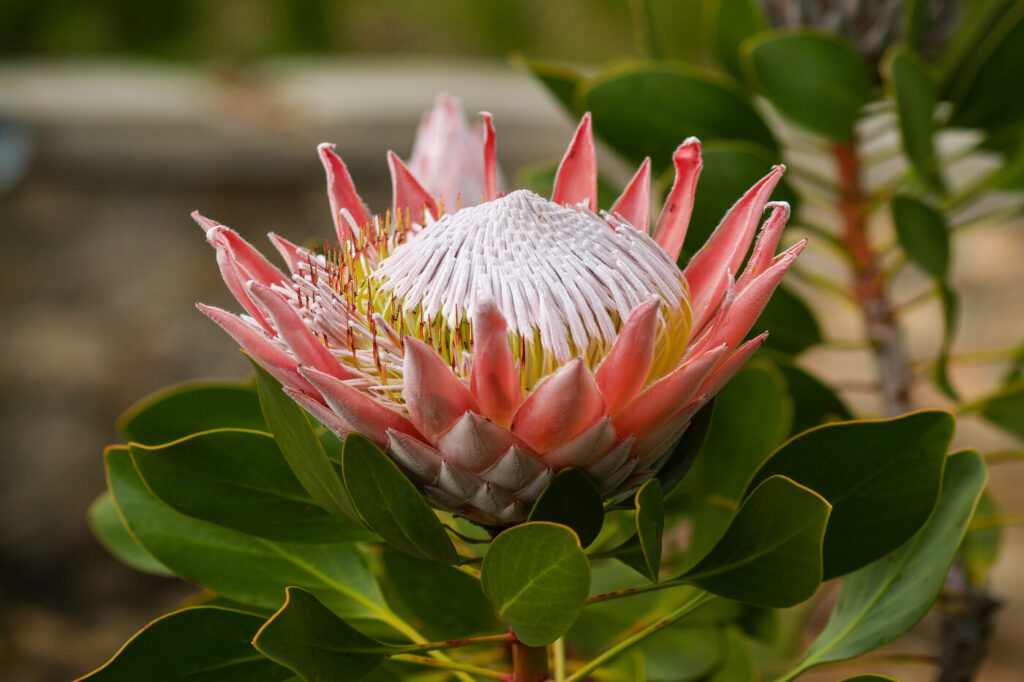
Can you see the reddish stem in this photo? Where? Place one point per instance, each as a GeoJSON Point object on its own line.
{"type": "Point", "coordinates": [529, 663]}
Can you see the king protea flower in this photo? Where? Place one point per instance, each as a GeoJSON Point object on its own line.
{"type": "Point", "coordinates": [487, 348]}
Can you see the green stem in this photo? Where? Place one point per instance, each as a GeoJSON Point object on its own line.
{"type": "Point", "coordinates": [697, 601]}
{"type": "Point", "coordinates": [455, 643]}
{"type": "Point", "coordinates": [454, 666]}
{"type": "Point", "coordinates": [559, 650]}
{"type": "Point", "coordinates": [1004, 456]}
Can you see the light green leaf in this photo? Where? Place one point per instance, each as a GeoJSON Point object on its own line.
{"type": "Point", "coordinates": [538, 577]}
{"type": "Point", "coordinates": [239, 480]}
{"type": "Point", "coordinates": [300, 446]}
{"type": "Point", "coordinates": [882, 601]}
{"type": "Point", "coordinates": [817, 80]}
{"type": "Point", "coordinates": [730, 23]}
{"type": "Point", "coordinates": [916, 99]}
{"type": "Point", "coordinates": [202, 644]}
{"type": "Point", "coordinates": [247, 569]}
{"type": "Point", "coordinates": [1005, 408]}
{"type": "Point", "coordinates": [923, 234]}
{"type": "Point", "coordinates": [389, 503]}
{"type": "Point", "coordinates": [572, 500]}
{"type": "Point", "coordinates": [881, 477]}
{"type": "Point", "coordinates": [678, 653]}
{"type": "Point", "coordinates": [770, 554]}
{"type": "Point", "coordinates": [190, 407]}
{"type": "Point", "coordinates": [109, 529]}
{"type": "Point", "coordinates": [739, 663]}
{"type": "Point", "coordinates": [980, 548]}
{"type": "Point", "coordinates": [306, 637]}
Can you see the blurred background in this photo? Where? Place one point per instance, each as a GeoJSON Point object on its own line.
{"type": "Point", "coordinates": [118, 118]}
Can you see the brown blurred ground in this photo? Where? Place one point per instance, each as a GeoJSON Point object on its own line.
{"type": "Point", "coordinates": [100, 267]}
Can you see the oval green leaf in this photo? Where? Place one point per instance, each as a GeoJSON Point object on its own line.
{"type": "Point", "coordinates": [305, 636]}
{"type": "Point", "coordinates": [109, 529]}
{"type": "Point", "coordinates": [202, 644]}
{"type": "Point", "coordinates": [882, 601]}
{"type": "Point", "coordinates": [572, 500]}
{"type": "Point", "coordinates": [389, 503]}
{"type": "Point", "coordinates": [730, 23]}
{"type": "Point", "coordinates": [538, 578]}
{"type": "Point", "coordinates": [649, 108]}
{"type": "Point", "coordinates": [1005, 408]}
{"type": "Point", "coordinates": [817, 80]}
{"type": "Point", "coordinates": [922, 233]}
{"type": "Point", "coordinates": [770, 554]}
{"type": "Point", "coordinates": [239, 480]}
{"type": "Point", "coordinates": [916, 99]}
{"type": "Point", "coordinates": [881, 477]}
{"type": "Point", "coordinates": [190, 407]}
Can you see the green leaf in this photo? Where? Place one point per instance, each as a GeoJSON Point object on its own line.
{"type": "Point", "coordinates": [739, 663]}
{"type": "Point", "coordinates": [916, 99]}
{"type": "Point", "coordinates": [389, 503]}
{"type": "Point", "coordinates": [538, 578]}
{"type": "Point", "coordinates": [980, 548]}
{"type": "Point", "coordinates": [817, 80]}
{"type": "Point", "coordinates": [561, 81]}
{"type": "Point", "coordinates": [881, 477]}
{"type": "Point", "coordinates": [731, 167]}
{"type": "Point", "coordinates": [793, 326]}
{"type": "Point", "coordinates": [572, 500]}
{"type": "Point", "coordinates": [247, 569]}
{"type": "Point", "coordinates": [685, 451]}
{"type": "Point", "coordinates": [650, 524]}
{"type": "Point", "coordinates": [1005, 408]}
{"type": "Point", "coordinates": [916, 20]}
{"type": "Point", "coordinates": [203, 644]}
{"type": "Point", "coordinates": [239, 480]}
{"type": "Point", "coordinates": [770, 554]}
{"type": "Point", "coordinates": [923, 234]}
{"type": "Point", "coordinates": [882, 601]}
{"type": "Point", "coordinates": [814, 402]}
{"type": "Point", "coordinates": [183, 409]}
{"type": "Point", "coordinates": [300, 446]}
{"type": "Point", "coordinates": [649, 108]}
{"type": "Point", "coordinates": [677, 654]}
{"type": "Point", "coordinates": [109, 529]}
{"type": "Point", "coordinates": [438, 600]}
{"type": "Point", "coordinates": [730, 23]}
{"type": "Point", "coordinates": [950, 305]}
{"type": "Point", "coordinates": [306, 637]}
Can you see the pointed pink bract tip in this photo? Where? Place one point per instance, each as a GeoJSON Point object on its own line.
{"type": "Point", "coordinates": [205, 223]}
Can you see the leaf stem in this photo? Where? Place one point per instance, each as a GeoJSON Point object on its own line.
{"type": "Point", "coordinates": [465, 641]}
{"type": "Point", "coordinates": [688, 607]}
{"type": "Point", "coordinates": [451, 665]}
{"type": "Point", "coordinates": [529, 663]}
{"type": "Point", "coordinates": [558, 648]}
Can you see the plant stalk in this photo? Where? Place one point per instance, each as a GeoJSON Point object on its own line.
{"type": "Point", "coordinates": [529, 663]}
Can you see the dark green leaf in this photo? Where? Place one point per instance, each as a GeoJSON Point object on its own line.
{"type": "Point", "coordinates": [1005, 408]}
{"type": "Point", "coordinates": [561, 81]}
{"type": "Point", "coordinates": [685, 451]}
{"type": "Point", "coordinates": [770, 554]}
{"type": "Point", "coordinates": [306, 637]}
{"type": "Point", "coordinates": [792, 326]}
{"type": "Point", "coordinates": [109, 529]}
{"type": "Point", "coordinates": [248, 569]}
{"type": "Point", "coordinates": [389, 503]}
{"type": "Point", "coordinates": [817, 80]}
{"type": "Point", "coordinates": [440, 601]}
{"type": "Point", "coordinates": [980, 548]}
{"type": "Point", "coordinates": [916, 23]}
{"type": "Point", "coordinates": [240, 480]}
{"type": "Point", "coordinates": [650, 523]}
{"type": "Point", "coordinates": [203, 644]}
{"type": "Point", "coordinates": [950, 305]}
{"type": "Point", "coordinates": [649, 108]}
{"type": "Point", "coordinates": [814, 402]}
{"type": "Point", "coordinates": [183, 409]}
{"type": "Point", "coordinates": [538, 577]}
{"type": "Point", "coordinates": [923, 234]}
{"type": "Point", "coordinates": [882, 601]}
{"type": "Point", "coordinates": [678, 654]}
{"type": "Point", "coordinates": [881, 477]}
{"type": "Point", "coordinates": [732, 22]}
{"type": "Point", "coordinates": [300, 446]}
{"type": "Point", "coordinates": [916, 99]}
{"type": "Point", "coordinates": [573, 500]}
{"type": "Point", "coordinates": [730, 169]}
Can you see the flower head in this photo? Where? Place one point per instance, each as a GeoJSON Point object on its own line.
{"type": "Point", "coordinates": [486, 348]}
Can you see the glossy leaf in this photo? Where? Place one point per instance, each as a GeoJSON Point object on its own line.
{"type": "Point", "coordinates": [882, 601]}
{"type": "Point", "coordinates": [828, 91]}
{"type": "Point", "coordinates": [572, 500]}
{"type": "Point", "coordinates": [731, 167]}
{"type": "Point", "coordinates": [793, 326]}
{"type": "Point", "coordinates": [389, 503]}
{"type": "Point", "coordinates": [248, 569]}
{"type": "Point", "coordinates": [649, 108]}
{"type": "Point", "coordinates": [916, 99]}
{"type": "Point", "coordinates": [304, 636]}
{"type": "Point", "coordinates": [560, 80]}
{"type": "Point", "coordinates": [440, 601]}
{"type": "Point", "coordinates": [190, 407]}
{"type": "Point", "coordinates": [300, 446]}
{"type": "Point", "coordinates": [650, 524]}
{"type": "Point", "coordinates": [730, 23]}
{"type": "Point", "coordinates": [109, 529]}
{"type": "Point", "coordinates": [685, 451]}
{"type": "Point", "coordinates": [922, 233]}
{"type": "Point", "coordinates": [202, 644]}
{"type": "Point", "coordinates": [980, 548]}
{"type": "Point", "coordinates": [881, 477]}
{"type": "Point", "coordinates": [1005, 408]}
{"type": "Point", "coordinates": [240, 480]}
{"type": "Point", "coordinates": [537, 577]}
{"type": "Point", "coordinates": [770, 554]}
